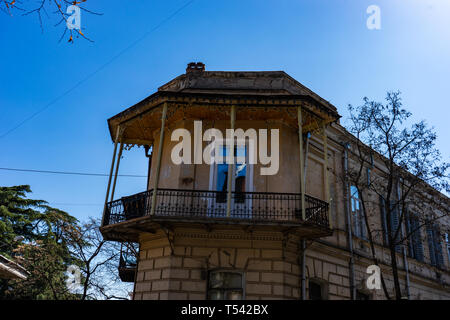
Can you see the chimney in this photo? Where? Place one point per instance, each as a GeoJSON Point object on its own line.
{"type": "Point", "coordinates": [195, 67]}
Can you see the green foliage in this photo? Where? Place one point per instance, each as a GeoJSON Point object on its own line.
{"type": "Point", "coordinates": [38, 237]}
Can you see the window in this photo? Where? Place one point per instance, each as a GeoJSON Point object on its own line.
{"type": "Point", "coordinates": [225, 285]}
{"type": "Point", "coordinates": [415, 247]}
{"type": "Point", "coordinates": [434, 245]}
{"type": "Point", "coordinates": [394, 221]}
{"type": "Point", "coordinates": [317, 290]}
{"type": "Point", "coordinates": [359, 225]}
{"type": "Point", "coordinates": [239, 175]}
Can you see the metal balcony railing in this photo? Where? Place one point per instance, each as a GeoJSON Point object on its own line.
{"type": "Point", "coordinates": [201, 205]}
{"type": "Point", "coordinates": [127, 263]}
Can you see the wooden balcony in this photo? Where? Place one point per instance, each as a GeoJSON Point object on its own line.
{"type": "Point", "coordinates": [131, 215]}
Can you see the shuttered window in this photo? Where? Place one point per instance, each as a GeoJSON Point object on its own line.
{"type": "Point", "coordinates": [415, 247]}
{"type": "Point", "coordinates": [434, 245]}
{"type": "Point", "coordinates": [394, 220]}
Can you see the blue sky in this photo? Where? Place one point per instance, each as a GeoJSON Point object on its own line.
{"type": "Point", "coordinates": [322, 43]}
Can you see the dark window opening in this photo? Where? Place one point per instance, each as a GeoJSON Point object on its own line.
{"type": "Point", "coordinates": [315, 291]}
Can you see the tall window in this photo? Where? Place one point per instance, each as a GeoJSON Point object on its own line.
{"type": "Point", "coordinates": [225, 285]}
{"type": "Point", "coordinates": [359, 225]}
{"type": "Point", "coordinates": [434, 245]}
{"type": "Point", "coordinates": [415, 247]}
{"type": "Point", "coordinates": [239, 175]}
{"type": "Point", "coordinates": [394, 221]}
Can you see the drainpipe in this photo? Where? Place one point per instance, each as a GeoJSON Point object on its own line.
{"type": "Point", "coordinates": [303, 267]}
{"type": "Point", "coordinates": [349, 224]}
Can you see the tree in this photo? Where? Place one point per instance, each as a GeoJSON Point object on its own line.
{"type": "Point", "coordinates": [407, 180]}
{"type": "Point", "coordinates": [48, 243]}
{"type": "Point", "coordinates": [44, 252]}
{"type": "Point", "coordinates": [58, 9]}
{"type": "Point", "coordinates": [99, 261]}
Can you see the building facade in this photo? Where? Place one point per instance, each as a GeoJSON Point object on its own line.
{"type": "Point", "coordinates": [286, 226]}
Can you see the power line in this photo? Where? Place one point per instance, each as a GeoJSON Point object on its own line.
{"type": "Point", "coordinates": [73, 173]}
{"type": "Point", "coordinates": [75, 204]}
{"type": "Point", "coordinates": [95, 71]}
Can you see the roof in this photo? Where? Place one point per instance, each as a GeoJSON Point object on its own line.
{"type": "Point", "coordinates": [242, 83]}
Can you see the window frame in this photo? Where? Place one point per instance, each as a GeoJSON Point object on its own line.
{"type": "Point", "coordinates": [415, 239]}
{"type": "Point", "coordinates": [357, 215]}
{"type": "Point", "coordinates": [435, 245]}
{"type": "Point", "coordinates": [208, 282]}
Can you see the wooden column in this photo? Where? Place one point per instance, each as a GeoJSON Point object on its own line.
{"type": "Point", "coordinates": [325, 166]}
{"type": "Point", "coordinates": [231, 165]}
{"type": "Point", "coordinates": [158, 159]}
{"type": "Point", "coordinates": [117, 171]}
{"type": "Point", "coordinates": [118, 134]}
{"type": "Point", "coordinates": [300, 142]}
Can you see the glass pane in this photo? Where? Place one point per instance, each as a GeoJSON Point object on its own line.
{"type": "Point", "coordinates": [225, 280]}
{"type": "Point", "coordinates": [222, 183]}
{"type": "Point", "coordinates": [216, 280]}
{"type": "Point", "coordinates": [222, 175]}
{"type": "Point", "coordinates": [216, 295]}
{"type": "Point", "coordinates": [234, 295]}
{"type": "Point", "coordinates": [232, 280]}
{"type": "Point", "coordinates": [240, 154]}
{"type": "Point", "coordinates": [354, 192]}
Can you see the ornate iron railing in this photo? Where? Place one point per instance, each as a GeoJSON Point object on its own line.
{"type": "Point", "coordinates": [255, 206]}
